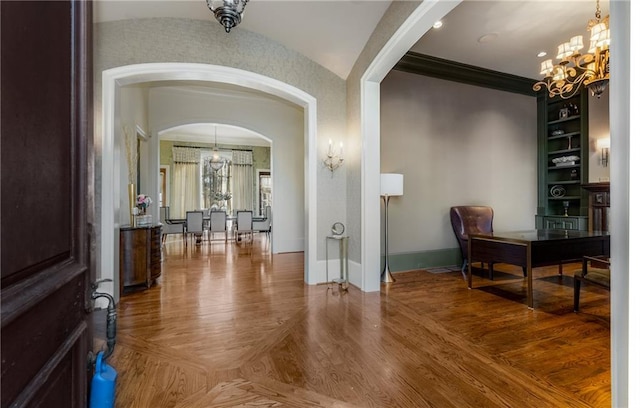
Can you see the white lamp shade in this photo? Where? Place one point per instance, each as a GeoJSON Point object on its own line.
{"type": "Point", "coordinates": [575, 43]}
{"type": "Point", "coordinates": [391, 184]}
{"type": "Point", "coordinates": [604, 143]}
{"type": "Point", "coordinates": [546, 68]}
{"type": "Point", "coordinates": [564, 51]}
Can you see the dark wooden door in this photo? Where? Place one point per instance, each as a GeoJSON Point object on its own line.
{"type": "Point", "coordinates": [45, 202]}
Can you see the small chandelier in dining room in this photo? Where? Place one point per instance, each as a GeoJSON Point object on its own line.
{"type": "Point", "coordinates": [216, 162]}
{"type": "Point", "coordinates": [574, 69]}
{"type": "Point", "coordinates": [228, 12]}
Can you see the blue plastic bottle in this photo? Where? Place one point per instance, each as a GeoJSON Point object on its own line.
{"type": "Point", "coordinates": [103, 385]}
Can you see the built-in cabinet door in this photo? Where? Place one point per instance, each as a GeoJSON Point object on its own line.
{"type": "Point", "coordinates": [563, 223]}
{"type": "Point", "coordinates": [46, 242]}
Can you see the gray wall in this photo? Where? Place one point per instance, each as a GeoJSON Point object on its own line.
{"type": "Point", "coordinates": [456, 144]}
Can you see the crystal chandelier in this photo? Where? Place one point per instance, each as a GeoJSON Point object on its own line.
{"type": "Point", "coordinates": [229, 14]}
{"type": "Point", "coordinates": [217, 162]}
{"type": "Point", "coordinates": [574, 69]}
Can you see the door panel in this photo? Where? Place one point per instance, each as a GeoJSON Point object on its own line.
{"type": "Point", "coordinates": [45, 166]}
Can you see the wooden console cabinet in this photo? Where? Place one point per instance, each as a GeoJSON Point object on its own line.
{"type": "Point", "coordinates": [140, 257]}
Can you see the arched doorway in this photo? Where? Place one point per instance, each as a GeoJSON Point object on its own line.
{"type": "Point", "coordinates": [117, 77]}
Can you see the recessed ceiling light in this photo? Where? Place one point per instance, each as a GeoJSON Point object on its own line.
{"type": "Point", "coordinates": [437, 24]}
{"type": "Point", "coordinates": [542, 54]}
{"type": "Point", "coordinates": [487, 38]}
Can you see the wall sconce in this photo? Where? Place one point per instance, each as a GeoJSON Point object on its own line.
{"type": "Point", "coordinates": [604, 145]}
{"type": "Point", "coordinates": [333, 160]}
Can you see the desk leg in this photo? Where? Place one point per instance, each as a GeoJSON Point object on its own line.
{"type": "Point", "coordinates": [469, 263]}
{"type": "Point", "coordinates": [529, 278]}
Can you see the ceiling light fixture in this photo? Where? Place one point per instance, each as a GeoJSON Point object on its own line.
{"type": "Point", "coordinates": [216, 162]}
{"type": "Point", "coordinates": [574, 69]}
{"type": "Point", "coordinates": [216, 155]}
{"type": "Point", "coordinates": [437, 24]}
{"type": "Point", "coordinates": [229, 14]}
{"type": "Point", "coordinates": [487, 38]}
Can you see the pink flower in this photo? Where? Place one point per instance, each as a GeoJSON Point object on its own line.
{"type": "Point", "coordinates": [144, 200]}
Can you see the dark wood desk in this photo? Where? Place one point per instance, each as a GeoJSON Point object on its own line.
{"type": "Point", "coordinates": [531, 249]}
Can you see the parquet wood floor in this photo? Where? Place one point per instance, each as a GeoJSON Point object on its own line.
{"type": "Point", "coordinates": [230, 325]}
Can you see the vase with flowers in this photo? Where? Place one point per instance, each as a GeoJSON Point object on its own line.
{"type": "Point", "coordinates": [143, 202]}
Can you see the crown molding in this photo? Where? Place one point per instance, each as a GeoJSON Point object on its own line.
{"type": "Point", "coordinates": [427, 65]}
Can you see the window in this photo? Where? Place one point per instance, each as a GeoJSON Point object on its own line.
{"type": "Point", "coordinates": [215, 181]}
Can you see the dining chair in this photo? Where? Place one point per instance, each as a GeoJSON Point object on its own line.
{"type": "Point", "coordinates": [265, 224]}
{"type": "Point", "coordinates": [218, 223]}
{"type": "Point", "coordinates": [244, 225]}
{"type": "Point", "coordinates": [207, 219]}
{"type": "Point", "coordinates": [194, 225]}
{"type": "Point", "coordinates": [169, 227]}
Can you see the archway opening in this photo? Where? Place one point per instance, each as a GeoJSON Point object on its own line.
{"type": "Point", "coordinates": [114, 79]}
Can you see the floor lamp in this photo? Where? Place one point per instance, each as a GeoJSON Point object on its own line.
{"type": "Point", "coordinates": [390, 185]}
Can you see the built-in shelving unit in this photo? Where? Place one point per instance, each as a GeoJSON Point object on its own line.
{"type": "Point", "coordinates": [563, 151]}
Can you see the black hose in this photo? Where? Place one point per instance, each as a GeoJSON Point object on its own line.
{"type": "Point", "coordinates": [111, 323]}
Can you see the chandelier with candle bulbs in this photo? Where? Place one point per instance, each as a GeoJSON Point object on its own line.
{"type": "Point", "coordinates": [575, 69]}
{"type": "Point", "coordinates": [229, 13]}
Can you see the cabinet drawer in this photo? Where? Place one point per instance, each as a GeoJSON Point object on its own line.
{"type": "Point", "coordinates": [566, 223]}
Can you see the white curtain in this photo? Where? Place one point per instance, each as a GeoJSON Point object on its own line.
{"type": "Point", "coordinates": [186, 181]}
{"type": "Point", "coordinates": [242, 180]}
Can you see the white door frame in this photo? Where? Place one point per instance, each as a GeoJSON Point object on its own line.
{"type": "Point", "coordinates": [414, 27]}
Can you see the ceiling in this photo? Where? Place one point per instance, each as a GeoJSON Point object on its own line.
{"type": "Point", "coordinates": [331, 33]}
{"type": "Point", "coordinates": [505, 35]}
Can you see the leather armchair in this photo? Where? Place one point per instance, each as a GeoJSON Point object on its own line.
{"type": "Point", "coordinates": [467, 220]}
